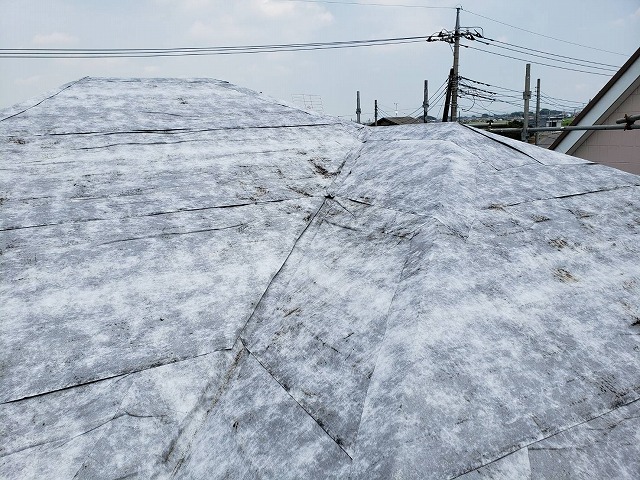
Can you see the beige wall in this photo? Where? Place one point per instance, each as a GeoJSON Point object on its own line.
{"type": "Point", "coordinates": [616, 148]}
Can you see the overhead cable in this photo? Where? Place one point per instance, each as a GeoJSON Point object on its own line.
{"type": "Point", "coordinates": [195, 51]}
{"type": "Point", "coordinates": [535, 62]}
{"type": "Point", "coordinates": [546, 57]}
{"type": "Point", "coordinates": [553, 54]}
{"type": "Point", "coordinates": [545, 36]}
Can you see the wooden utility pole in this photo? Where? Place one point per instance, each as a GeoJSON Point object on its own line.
{"type": "Point", "coordinates": [358, 111]}
{"type": "Point", "coordinates": [456, 58]}
{"type": "Point", "coordinates": [425, 102]}
{"type": "Point", "coordinates": [526, 95]}
{"type": "Point", "coordinates": [447, 100]}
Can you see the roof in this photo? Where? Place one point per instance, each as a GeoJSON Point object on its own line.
{"type": "Point", "coordinates": [201, 282]}
{"type": "Point", "coordinates": [604, 103]}
{"type": "Point", "coordinates": [386, 121]}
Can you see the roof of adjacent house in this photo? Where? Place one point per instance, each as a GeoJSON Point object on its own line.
{"type": "Point", "coordinates": [201, 282]}
{"type": "Point", "coordinates": [397, 121]}
{"type": "Point", "coordinates": [603, 104]}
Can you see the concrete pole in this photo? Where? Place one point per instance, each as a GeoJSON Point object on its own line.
{"type": "Point", "coordinates": [375, 113]}
{"type": "Point", "coordinates": [358, 110]}
{"type": "Point", "coordinates": [456, 58]}
{"type": "Point", "coordinates": [425, 102]}
{"type": "Point", "coordinates": [537, 107]}
{"type": "Point", "coordinates": [526, 95]}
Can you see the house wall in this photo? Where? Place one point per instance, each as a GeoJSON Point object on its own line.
{"type": "Point", "coordinates": [616, 148]}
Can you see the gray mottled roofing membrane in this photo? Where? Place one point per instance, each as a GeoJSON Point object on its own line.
{"type": "Point", "coordinates": [200, 282]}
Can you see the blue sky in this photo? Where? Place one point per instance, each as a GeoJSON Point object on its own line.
{"type": "Point", "coordinates": [393, 74]}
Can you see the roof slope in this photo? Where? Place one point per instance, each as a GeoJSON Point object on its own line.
{"type": "Point", "coordinates": [200, 282]}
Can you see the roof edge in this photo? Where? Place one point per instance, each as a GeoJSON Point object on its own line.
{"type": "Point", "coordinates": [603, 91]}
{"type": "Point", "coordinates": [21, 107]}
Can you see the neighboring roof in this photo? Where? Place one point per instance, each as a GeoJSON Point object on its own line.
{"type": "Point", "coordinates": [545, 139]}
{"type": "Point", "coordinates": [200, 282]}
{"type": "Point", "coordinates": [385, 121]}
{"type": "Point", "coordinates": [608, 98]}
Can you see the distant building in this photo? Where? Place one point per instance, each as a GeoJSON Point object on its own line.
{"type": "Point", "coordinates": [616, 148]}
{"type": "Point", "coordinates": [554, 122]}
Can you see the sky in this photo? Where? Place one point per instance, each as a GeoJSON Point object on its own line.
{"type": "Point", "coordinates": [606, 32]}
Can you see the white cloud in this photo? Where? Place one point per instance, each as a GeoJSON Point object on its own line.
{"type": "Point", "coordinates": [308, 13]}
{"type": "Point", "coordinates": [275, 9]}
{"type": "Point", "coordinates": [259, 21]}
{"type": "Point", "coordinates": [54, 39]}
{"type": "Point", "coordinates": [631, 18]}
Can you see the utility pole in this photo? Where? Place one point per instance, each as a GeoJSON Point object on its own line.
{"type": "Point", "coordinates": [456, 57]}
{"type": "Point", "coordinates": [375, 114]}
{"type": "Point", "coordinates": [537, 107]}
{"type": "Point", "coordinates": [447, 98]}
{"type": "Point", "coordinates": [425, 102]}
{"type": "Point", "coordinates": [526, 95]}
{"type": "Point", "coordinates": [358, 111]}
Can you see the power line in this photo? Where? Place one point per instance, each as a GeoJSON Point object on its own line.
{"type": "Point", "coordinates": [431, 99]}
{"type": "Point", "coordinates": [543, 95]}
{"type": "Point", "coordinates": [542, 35]}
{"type": "Point", "coordinates": [371, 4]}
{"type": "Point", "coordinates": [553, 54]}
{"type": "Point", "coordinates": [189, 49]}
{"type": "Point", "coordinates": [606, 69]}
{"type": "Point", "coordinates": [415, 111]}
{"type": "Point", "coordinates": [490, 85]}
{"type": "Point", "coordinates": [537, 63]}
{"type": "Point", "coordinates": [508, 97]}
{"type": "Point", "coordinates": [197, 51]}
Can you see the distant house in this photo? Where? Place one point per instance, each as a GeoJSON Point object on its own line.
{"type": "Point", "coordinates": [554, 122]}
{"type": "Point", "coordinates": [616, 148]}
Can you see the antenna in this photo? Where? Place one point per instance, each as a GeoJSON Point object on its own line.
{"type": "Point", "coordinates": [308, 102]}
